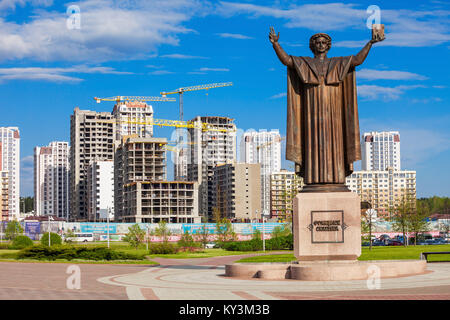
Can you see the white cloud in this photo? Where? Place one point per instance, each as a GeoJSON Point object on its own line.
{"type": "Point", "coordinates": [160, 72]}
{"type": "Point", "coordinates": [234, 36]}
{"type": "Point", "coordinates": [370, 74]}
{"type": "Point", "coordinates": [182, 56]}
{"type": "Point", "coordinates": [110, 30]}
{"type": "Point", "coordinates": [374, 92]}
{"type": "Point", "coordinates": [215, 69]}
{"type": "Point", "coordinates": [11, 4]}
{"type": "Point", "coordinates": [53, 74]}
{"type": "Point", "coordinates": [279, 95]}
{"type": "Point", "coordinates": [417, 145]}
{"type": "Point", "coordinates": [404, 27]}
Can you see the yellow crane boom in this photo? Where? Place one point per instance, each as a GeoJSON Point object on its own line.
{"type": "Point", "coordinates": [134, 98]}
{"type": "Point", "coordinates": [172, 123]}
{"type": "Point", "coordinates": [180, 91]}
{"type": "Point", "coordinates": [270, 142]}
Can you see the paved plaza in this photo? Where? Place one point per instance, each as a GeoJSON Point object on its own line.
{"type": "Point", "coordinates": [203, 279]}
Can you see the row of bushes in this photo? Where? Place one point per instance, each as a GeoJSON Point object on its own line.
{"type": "Point", "coordinates": [171, 248]}
{"type": "Point", "coordinates": [41, 252]}
{"type": "Point", "coordinates": [277, 243]}
{"type": "Point", "coordinates": [21, 242]}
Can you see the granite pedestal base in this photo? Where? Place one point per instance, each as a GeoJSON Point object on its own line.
{"type": "Point", "coordinates": [327, 270]}
{"type": "Point", "coordinates": [327, 243]}
{"type": "Point", "coordinates": [327, 226]}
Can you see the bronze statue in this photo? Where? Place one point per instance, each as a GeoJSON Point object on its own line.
{"type": "Point", "coordinates": [322, 134]}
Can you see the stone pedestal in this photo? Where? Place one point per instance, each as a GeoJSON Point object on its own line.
{"type": "Point", "coordinates": [327, 226]}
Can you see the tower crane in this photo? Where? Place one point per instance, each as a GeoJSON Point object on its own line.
{"type": "Point", "coordinates": [134, 98]}
{"type": "Point", "coordinates": [180, 92]}
{"type": "Point", "coordinates": [269, 143]}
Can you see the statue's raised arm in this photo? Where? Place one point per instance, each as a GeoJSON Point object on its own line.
{"type": "Point", "coordinates": [361, 56]}
{"type": "Point", "coordinates": [282, 55]}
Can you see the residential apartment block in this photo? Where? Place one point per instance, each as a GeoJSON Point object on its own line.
{"type": "Point", "coordinates": [380, 150]}
{"type": "Point", "coordinates": [237, 191]}
{"type": "Point", "coordinates": [133, 118]}
{"type": "Point", "coordinates": [4, 196]}
{"type": "Point", "coordinates": [263, 147]}
{"type": "Point", "coordinates": [155, 201]}
{"type": "Point", "coordinates": [91, 139]}
{"type": "Point", "coordinates": [51, 179]}
{"type": "Point", "coordinates": [284, 186]}
{"type": "Point", "coordinates": [142, 192]}
{"type": "Point", "coordinates": [100, 190]}
{"type": "Point", "coordinates": [10, 162]}
{"type": "Point", "coordinates": [383, 189]}
{"type": "Point", "coordinates": [207, 148]}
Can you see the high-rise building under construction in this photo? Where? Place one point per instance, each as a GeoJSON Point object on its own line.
{"type": "Point", "coordinates": [206, 149]}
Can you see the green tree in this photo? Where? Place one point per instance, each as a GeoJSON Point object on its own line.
{"type": "Point", "coordinates": [21, 242]}
{"type": "Point", "coordinates": [417, 222]}
{"type": "Point", "coordinates": [367, 220]}
{"type": "Point", "coordinates": [162, 230]}
{"type": "Point", "coordinates": [401, 214]}
{"type": "Point", "coordinates": [69, 235]}
{"type": "Point", "coordinates": [26, 204]}
{"type": "Point", "coordinates": [135, 236]}
{"type": "Point", "coordinates": [203, 235]}
{"type": "Point", "coordinates": [13, 229]}
{"type": "Point", "coordinates": [55, 239]}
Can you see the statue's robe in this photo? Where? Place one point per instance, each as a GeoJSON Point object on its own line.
{"type": "Point", "coordinates": [322, 134]}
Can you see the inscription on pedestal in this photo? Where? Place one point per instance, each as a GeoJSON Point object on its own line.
{"type": "Point", "coordinates": [327, 226]}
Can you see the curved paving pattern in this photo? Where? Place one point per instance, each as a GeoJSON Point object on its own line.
{"type": "Point", "coordinates": [201, 279]}
{"type": "Point", "coordinates": [204, 279]}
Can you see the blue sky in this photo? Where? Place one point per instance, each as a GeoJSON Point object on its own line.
{"type": "Point", "coordinates": [145, 47]}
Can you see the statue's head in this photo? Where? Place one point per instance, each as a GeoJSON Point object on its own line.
{"type": "Point", "coordinates": [320, 43]}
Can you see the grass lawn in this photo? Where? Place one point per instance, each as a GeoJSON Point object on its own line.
{"type": "Point", "coordinates": [377, 253]}
{"type": "Point", "coordinates": [9, 255]}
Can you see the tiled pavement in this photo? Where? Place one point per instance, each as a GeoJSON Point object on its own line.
{"type": "Point", "coordinates": [202, 279]}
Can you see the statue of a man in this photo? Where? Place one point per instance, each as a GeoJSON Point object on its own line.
{"type": "Point", "coordinates": [322, 134]}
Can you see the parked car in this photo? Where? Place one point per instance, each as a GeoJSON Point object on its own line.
{"type": "Point", "coordinates": [378, 243]}
{"type": "Point", "coordinates": [210, 245]}
{"type": "Point", "coordinates": [440, 241]}
{"type": "Point", "coordinates": [394, 243]}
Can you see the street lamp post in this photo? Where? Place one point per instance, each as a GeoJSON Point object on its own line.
{"type": "Point", "coordinates": [147, 236]}
{"type": "Point", "coordinates": [107, 223]}
{"type": "Point", "coordinates": [49, 241]}
{"type": "Point", "coordinates": [264, 230]}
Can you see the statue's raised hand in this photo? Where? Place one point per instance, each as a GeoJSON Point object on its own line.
{"type": "Point", "coordinates": [273, 37]}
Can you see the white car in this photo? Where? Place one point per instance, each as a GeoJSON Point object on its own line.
{"type": "Point", "coordinates": [82, 237]}
{"type": "Point", "coordinates": [210, 245]}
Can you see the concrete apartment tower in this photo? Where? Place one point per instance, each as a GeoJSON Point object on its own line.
{"type": "Point", "coordinates": [284, 186]}
{"type": "Point", "coordinates": [383, 189]}
{"type": "Point", "coordinates": [237, 191]}
{"type": "Point", "coordinates": [207, 148]}
{"type": "Point", "coordinates": [263, 147]}
{"type": "Point", "coordinates": [133, 118]}
{"type": "Point", "coordinates": [51, 179]}
{"type": "Point", "coordinates": [100, 190]}
{"type": "Point", "coordinates": [10, 159]}
{"type": "Point", "coordinates": [91, 139]}
{"type": "Point", "coordinates": [142, 192]}
{"type": "Point", "coordinates": [380, 150]}
{"type": "Point", "coordinates": [4, 196]}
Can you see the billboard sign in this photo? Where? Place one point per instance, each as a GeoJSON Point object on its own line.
{"type": "Point", "coordinates": [98, 227]}
{"type": "Point", "coordinates": [32, 229]}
